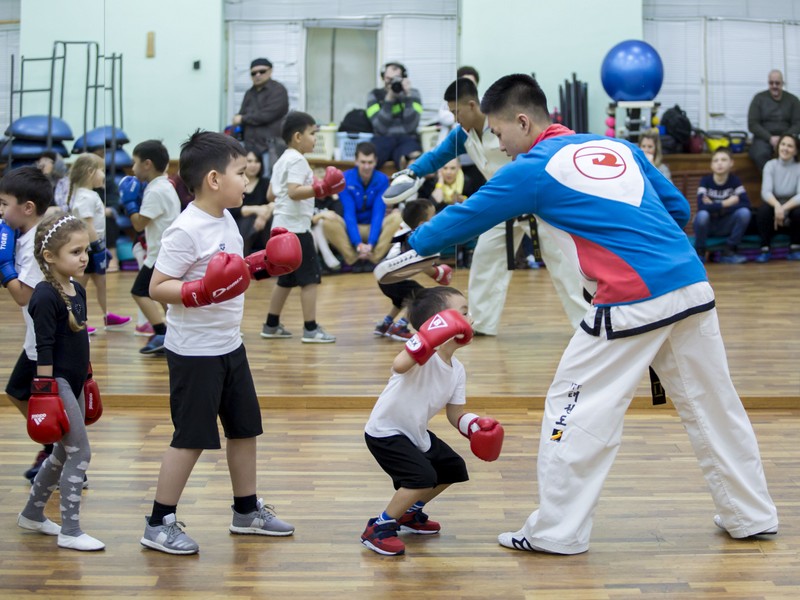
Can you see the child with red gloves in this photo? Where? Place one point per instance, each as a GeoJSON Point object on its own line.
{"type": "Point", "coordinates": [201, 274]}
{"type": "Point", "coordinates": [415, 213]}
{"type": "Point", "coordinates": [425, 378]}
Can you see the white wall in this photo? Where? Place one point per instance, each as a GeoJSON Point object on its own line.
{"type": "Point", "coordinates": [551, 39]}
{"type": "Point", "coordinates": [163, 96]}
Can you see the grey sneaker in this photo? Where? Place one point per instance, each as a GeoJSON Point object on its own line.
{"type": "Point", "coordinates": [260, 522]}
{"type": "Point", "coordinates": [168, 537]}
{"type": "Point", "coordinates": [317, 336]}
{"type": "Point", "coordinates": [279, 331]}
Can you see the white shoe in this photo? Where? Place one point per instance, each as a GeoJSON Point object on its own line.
{"type": "Point", "coordinates": [516, 540]}
{"type": "Point", "coordinates": [770, 531]}
{"type": "Point", "coordinates": [83, 542]}
{"type": "Point", "coordinates": [46, 527]}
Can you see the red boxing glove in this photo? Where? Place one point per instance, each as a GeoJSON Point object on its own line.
{"type": "Point", "coordinates": [227, 276]}
{"type": "Point", "coordinates": [434, 332]}
{"type": "Point", "coordinates": [282, 255]}
{"type": "Point", "coordinates": [485, 435]}
{"type": "Point", "coordinates": [47, 419]}
{"type": "Point", "coordinates": [91, 397]}
{"type": "Point", "coordinates": [443, 275]}
{"type": "Point", "coordinates": [332, 183]}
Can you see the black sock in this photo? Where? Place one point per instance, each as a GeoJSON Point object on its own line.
{"type": "Point", "coordinates": [273, 320]}
{"type": "Point", "coordinates": [245, 504]}
{"type": "Point", "coordinates": [159, 512]}
{"type": "Point", "coordinates": [310, 325]}
{"type": "Point", "coordinates": [160, 329]}
{"type": "Point", "coordinates": [48, 448]}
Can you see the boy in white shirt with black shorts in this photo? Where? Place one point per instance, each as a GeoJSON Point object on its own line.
{"type": "Point", "coordinates": [201, 275]}
{"type": "Point", "coordinates": [293, 187]}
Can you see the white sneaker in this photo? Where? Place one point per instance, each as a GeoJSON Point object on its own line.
{"type": "Point", "coordinates": [317, 336]}
{"type": "Point", "coordinates": [516, 541]}
{"type": "Point", "coordinates": [770, 531]}
{"type": "Point", "coordinates": [83, 542]}
{"type": "Point", "coordinates": [46, 527]}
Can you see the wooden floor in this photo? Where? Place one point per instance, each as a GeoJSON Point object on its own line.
{"type": "Point", "coordinates": [757, 307]}
{"type": "Point", "coordinates": [653, 534]}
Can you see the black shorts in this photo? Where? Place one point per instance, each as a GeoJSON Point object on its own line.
{"type": "Point", "coordinates": [141, 286]}
{"type": "Point", "coordinates": [204, 387]}
{"type": "Point", "coordinates": [309, 271]}
{"type": "Point", "coordinates": [411, 468]}
{"type": "Point", "coordinates": [19, 384]}
{"type": "Point", "coordinates": [401, 291]}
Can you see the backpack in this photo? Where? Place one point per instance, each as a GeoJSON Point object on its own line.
{"type": "Point", "coordinates": [356, 121]}
{"type": "Point", "coordinates": [677, 125]}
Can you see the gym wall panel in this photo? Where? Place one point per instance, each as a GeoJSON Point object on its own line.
{"type": "Point", "coordinates": [551, 39]}
{"type": "Point", "coordinates": [292, 10]}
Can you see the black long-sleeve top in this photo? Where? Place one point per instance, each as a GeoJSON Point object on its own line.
{"type": "Point", "coordinates": [56, 344]}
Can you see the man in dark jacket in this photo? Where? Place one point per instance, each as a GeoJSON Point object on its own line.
{"type": "Point", "coordinates": [263, 108]}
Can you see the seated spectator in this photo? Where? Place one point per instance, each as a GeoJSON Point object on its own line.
{"type": "Point", "coordinates": [394, 111]}
{"type": "Point", "coordinates": [254, 217]}
{"type": "Point", "coordinates": [650, 144]}
{"type": "Point", "coordinates": [780, 199]}
{"type": "Point", "coordinates": [450, 185]}
{"type": "Point", "coordinates": [723, 208]}
{"type": "Point", "coordinates": [364, 235]}
{"type": "Point", "coordinates": [772, 113]}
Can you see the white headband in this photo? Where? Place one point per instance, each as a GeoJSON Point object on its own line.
{"type": "Point", "coordinates": [55, 226]}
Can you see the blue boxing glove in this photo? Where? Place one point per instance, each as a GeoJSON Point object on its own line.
{"type": "Point", "coordinates": [131, 191]}
{"type": "Point", "coordinates": [8, 242]}
{"type": "Point", "coordinates": [98, 256]}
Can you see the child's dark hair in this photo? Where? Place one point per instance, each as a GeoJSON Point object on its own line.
{"type": "Point", "coordinates": [28, 184]}
{"type": "Point", "coordinates": [428, 302]}
{"type": "Point", "coordinates": [206, 151]}
{"type": "Point", "coordinates": [366, 149]}
{"type": "Point", "coordinates": [52, 233]}
{"type": "Point", "coordinates": [296, 122]}
{"type": "Point", "coordinates": [467, 70]}
{"type": "Point", "coordinates": [415, 211]}
{"type": "Point", "coordinates": [461, 89]}
{"type": "Point", "coordinates": [155, 152]}
{"type": "Point", "coordinates": [723, 150]}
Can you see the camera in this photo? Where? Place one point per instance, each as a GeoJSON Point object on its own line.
{"type": "Point", "coordinates": [397, 85]}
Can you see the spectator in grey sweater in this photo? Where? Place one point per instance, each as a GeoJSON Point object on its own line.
{"type": "Point", "coordinates": [772, 113]}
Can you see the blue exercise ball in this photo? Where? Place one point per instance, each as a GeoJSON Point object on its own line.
{"type": "Point", "coordinates": [632, 70]}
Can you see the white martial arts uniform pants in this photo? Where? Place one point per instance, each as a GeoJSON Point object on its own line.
{"type": "Point", "coordinates": [581, 432]}
{"type": "Point", "coordinates": [489, 277]}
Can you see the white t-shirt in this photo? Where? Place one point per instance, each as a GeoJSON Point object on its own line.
{"type": "Point", "coordinates": [187, 246]}
{"type": "Point", "coordinates": [162, 206]}
{"type": "Point", "coordinates": [87, 204]}
{"type": "Point", "coordinates": [411, 399]}
{"type": "Point", "coordinates": [294, 215]}
{"type": "Point", "coordinates": [28, 273]}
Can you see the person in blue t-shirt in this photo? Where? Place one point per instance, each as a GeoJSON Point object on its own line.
{"type": "Point", "coordinates": [364, 235]}
{"type": "Point", "coordinates": [723, 208]}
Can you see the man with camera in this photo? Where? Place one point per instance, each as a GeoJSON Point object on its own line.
{"type": "Point", "coordinates": [394, 111]}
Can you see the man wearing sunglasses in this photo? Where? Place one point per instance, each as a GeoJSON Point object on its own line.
{"type": "Point", "coordinates": [263, 108]}
{"type": "Point", "coordinates": [772, 113]}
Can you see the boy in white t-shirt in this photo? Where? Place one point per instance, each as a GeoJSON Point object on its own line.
{"type": "Point", "coordinates": [426, 377]}
{"type": "Point", "coordinates": [201, 275]}
{"type": "Point", "coordinates": [293, 187]}
{"type": "Point", "coordinates": [151, 209]}
{"type": "Point", "coordinates": [25, 195]}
